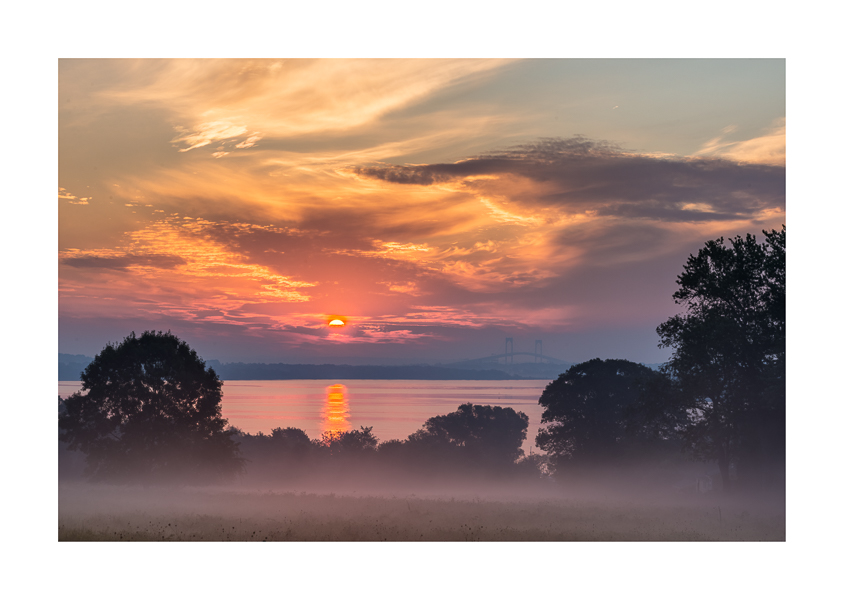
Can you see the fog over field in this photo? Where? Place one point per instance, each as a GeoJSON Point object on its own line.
{"type": "Point", "coordinates": [379, 507]}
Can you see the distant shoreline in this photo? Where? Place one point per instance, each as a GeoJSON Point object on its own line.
{"type": "Point", "coordinates": [241, 371]}
{"type": "Point", "coordinates": [70, 370]}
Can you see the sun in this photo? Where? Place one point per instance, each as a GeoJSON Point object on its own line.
{"type": "Point", "coordinates": [336, 323]}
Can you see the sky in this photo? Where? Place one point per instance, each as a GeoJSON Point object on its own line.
{"type": "Point", "coordinates": [435, 206]}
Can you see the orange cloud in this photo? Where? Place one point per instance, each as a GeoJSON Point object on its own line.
{"type": "Point", "coordinates": [207, 133]}
{"type": "Point", "coordinates": [174, 264]}
{"type": "Point", "coordinates": [411, 288]}
{"type": "Point", "coordinates": [71, 199]}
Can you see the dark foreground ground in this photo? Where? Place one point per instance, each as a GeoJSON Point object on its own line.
{"type": "Point", "coordinates": [132, 513]}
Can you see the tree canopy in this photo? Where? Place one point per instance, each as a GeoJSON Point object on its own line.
{"type": "Point", "coordinates": [729, 351]}
{"type": "Point", "coordinates": [485, 434]}
{"type": "Point", "coordinates": [149, 409]}
{"type": "Point", "coordinates": [352, 443]}
{"type": "Point", "coordinates": [586, 410]}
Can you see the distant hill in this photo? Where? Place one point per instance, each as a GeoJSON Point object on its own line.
{"type": "Point", "coordinates": [520, 370]}
{"type": "Point", "coordinates": [72, 365]}
{"type": "Point", "coordinates": [260, 371]}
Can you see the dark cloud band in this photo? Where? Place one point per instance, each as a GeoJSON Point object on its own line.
{"type": "Point", "coordinates": [159, 261]}
{"type": "Point", "coordinates": [583, 174]}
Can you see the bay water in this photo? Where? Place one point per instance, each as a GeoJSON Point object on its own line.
{"type": "Point", "coordinates": [393, 408]}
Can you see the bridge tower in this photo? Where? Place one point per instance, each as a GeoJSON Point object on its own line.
{"type": "Point", "coordinates": [508, 351]}
{"type": "Point", "coordinates": [537, 350]}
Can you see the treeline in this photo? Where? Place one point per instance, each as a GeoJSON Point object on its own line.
{"type": "Point", "coordinates": [474, 441]}
{"type": "Point", "coordinates": [150, 411]}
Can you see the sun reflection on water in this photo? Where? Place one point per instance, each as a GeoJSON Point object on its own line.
{"type": "Point", "coordinates": [335, 413]}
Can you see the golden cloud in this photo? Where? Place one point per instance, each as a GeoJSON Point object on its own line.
{"type": "Point", "coordinates": [214, 98]}
{"type": "Point", "coordinates": [767, 149]}
{"type": "Point", "coordinates": [71, 199]}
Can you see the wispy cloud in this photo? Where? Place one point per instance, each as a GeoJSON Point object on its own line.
{"type": "Point", "coordinates": [206, 133]}
{"type": "Point", "coordinates": [71, 199]}
{"type": "Point", "coordinates": [410, 288]}
{"type": "Point", "coordinates": [249, 142]}
{"type": "Point", "coordinates": [285, 98]}
{"type": "Point", "coordinates": [767, 149]}
{"type": "Point", "coordinates": [179, 266]}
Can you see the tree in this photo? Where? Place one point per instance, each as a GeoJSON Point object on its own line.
{"type": "Point", "coordinates": [484, 434]}
{"type": "Point", "coordinates": [656, 418]}
{"type": "Point", "coordinates": [729, 352]}
{"type": "Point", "coordinates": [357, 442]}
{"type": "Point", "coordinates": [587, 408]}
{"type": "Point", "coordinates": [149, 410]}
{"type": "Point", "coordinates": [290, 441]}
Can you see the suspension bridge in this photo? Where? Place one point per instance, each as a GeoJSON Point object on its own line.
{"type": "Point", "coordinates": [511, 357]}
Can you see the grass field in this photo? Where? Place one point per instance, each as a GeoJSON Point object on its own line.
{"type": "Point", "coordinates": [112, 513]}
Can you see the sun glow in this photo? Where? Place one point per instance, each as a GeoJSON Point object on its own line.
{"type": "Point", "coordinates": [335, 413]}
{"type": "Point", "coordinates": [336, 323]}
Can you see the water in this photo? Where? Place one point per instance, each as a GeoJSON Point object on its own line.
{"type": "Point", "coordinates": [393, 408]}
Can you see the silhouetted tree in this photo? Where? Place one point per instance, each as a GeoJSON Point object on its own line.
{"type": "Point", "coordinates": [729, 351]}
{"type": "Point", "coordinates": [149, 409]}
{"type": "Point", "coordinates": [656, 418]}
{"type": "Point", "coordinates": [485, 434]}
{"type": "Point", "coordinates": [290, 441]}
{"type": "Point", "coordinates": [586, 409]}
{"type": "Point", "coordinates": [357, 442]}
{"type": "Point", "coordinates": [284, 455]}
